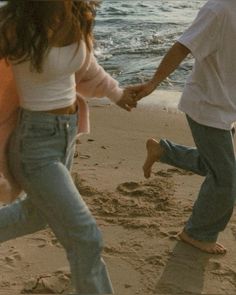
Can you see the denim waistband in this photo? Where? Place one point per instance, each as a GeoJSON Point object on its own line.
{"type": "Point", "coordinates": [41, 116]}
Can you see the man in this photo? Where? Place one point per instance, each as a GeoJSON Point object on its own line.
{"type": "Point", "coordinates": [209, 102]}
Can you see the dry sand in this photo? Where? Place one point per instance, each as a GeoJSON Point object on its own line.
{"type": "Point", "coordinates": [139, 218]}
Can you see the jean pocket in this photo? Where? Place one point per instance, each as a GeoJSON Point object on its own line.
{"type": "Point", "coordinates": [40, 130]}
{"type": "Point", "coordinates": [38, 140]}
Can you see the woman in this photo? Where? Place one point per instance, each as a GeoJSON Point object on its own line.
{"type": "Point", "coordinates": [48, 45]}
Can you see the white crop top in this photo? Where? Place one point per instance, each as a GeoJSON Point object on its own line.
{"type": "Point", "coordinates": [54, 87]}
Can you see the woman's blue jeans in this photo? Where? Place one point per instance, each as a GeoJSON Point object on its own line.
{"type": "Point", "coordinates": [40, 156]}
{"type": "Point", "coordinates": [214, 159]}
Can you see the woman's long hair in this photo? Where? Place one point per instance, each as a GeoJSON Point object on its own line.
{"type": "Point", "coordinates": [25, 26]}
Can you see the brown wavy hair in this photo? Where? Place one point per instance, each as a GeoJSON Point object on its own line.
{"type": "Point", "coordinates": [29, 28]}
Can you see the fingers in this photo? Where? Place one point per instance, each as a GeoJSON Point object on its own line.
{"type": "Point", "coordinates": [124, 106]}
{"type": "Point", "coordinates": [127, 102]}
{"type": "Point", "coordinates": [133, 93]}
{"type": "Point", "coordinates": [130, 98]}
{"type": "Point", "coordinates": [127, 108]}
{"type": "Point", "coordinates": [133, 104]}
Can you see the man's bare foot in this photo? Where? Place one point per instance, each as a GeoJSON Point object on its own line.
{"type": "Point", "coordinates": [211, 248]}
{"type": "Point", "coordinates": [154, 152]}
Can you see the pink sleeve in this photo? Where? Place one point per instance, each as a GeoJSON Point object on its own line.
{"type": "Point", "coordinates": [96, 82]}
{"type": "Point", "coordinates": [9, 104]}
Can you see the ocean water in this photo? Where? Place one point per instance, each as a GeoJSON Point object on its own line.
{"type": "Point", "coordinates": [132, 36]}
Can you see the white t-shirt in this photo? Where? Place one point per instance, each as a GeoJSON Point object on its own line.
{"type": "Point", "coordinates": [55, 87]}
{"type": "Point", "coordinates": [209, 96]}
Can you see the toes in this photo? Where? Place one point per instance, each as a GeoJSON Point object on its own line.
{"type": "Point", "coordinates": [147, 172]}
{"type": "Point", "coordinates": [147, 175]}
{"type": "Point", "coordinates": [220, 248]}
{"type": "Point", "coordinates": [214, 249]}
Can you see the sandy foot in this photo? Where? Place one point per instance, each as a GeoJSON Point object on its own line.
{"type": "Point", "coordinates": [211, 248]}
{"type": "Point", "coordinates": [154, 152]}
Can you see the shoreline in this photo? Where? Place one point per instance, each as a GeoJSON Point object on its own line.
{"type": "Point", "coordinates": [161, 99]}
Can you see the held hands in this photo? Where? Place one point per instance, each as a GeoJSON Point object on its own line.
{"type": "Point", "coordinates": [127, 101]}
{"type": "Point", "coordinates": [133, 93]}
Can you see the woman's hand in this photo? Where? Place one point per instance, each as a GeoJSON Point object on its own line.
{"type": "Point", "coordinates": [133, 93]}
{"type": "Point", "coordinates": [127, 101]}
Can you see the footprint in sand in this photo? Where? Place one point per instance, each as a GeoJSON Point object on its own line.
{"type": "Point", "coordinates": [155, 260]}
{"type": "Point", "coordinates": [17, 256]}
{"type": "Point", "coordinates": [112, 250]}
{"type": "Point", "coordinates": [173, 235]}
{"type": "Point", "coordinates": [56, 283]}
{"type": "Point", "coordinates": [214, 266]}
{"type": "Point", "coordinates": [133, 189]}
{"type": "Point", "coordinates": [84, 156]}
{"type": "Point", "coordinates": [129, 186]}
{"type": "Point", "coordinates": [157, 188]}
{"type": "Point", "coordinates": [225, 272]}
{"type": "Point", "coordinates": [5, 284]}
{"type": "Point", "coordinates": [10, 260]}
{"type": "Point", "coordinates": [84, 189]}
{"type": "Point", "coordinates": [41, 242]}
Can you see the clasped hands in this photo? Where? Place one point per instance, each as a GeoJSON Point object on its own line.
{"type": "Point", "coordinates": [133, 93]}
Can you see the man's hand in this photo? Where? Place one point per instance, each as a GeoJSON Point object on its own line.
{"type": "Point", "coordinates": [139, 91]}
{"type": "Point", "coordinates": [133, 93]}
{"type": "Point", "coordinates": [127, 101]}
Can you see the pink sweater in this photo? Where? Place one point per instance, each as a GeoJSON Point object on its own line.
{"type": "Point", "coordinates": [91, 81]}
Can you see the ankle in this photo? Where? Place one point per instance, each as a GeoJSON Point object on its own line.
{"type": "Point", "coordinates": [159, 151]}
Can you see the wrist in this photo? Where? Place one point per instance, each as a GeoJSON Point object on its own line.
{"type": "Point", "coordinates": [154, 82]}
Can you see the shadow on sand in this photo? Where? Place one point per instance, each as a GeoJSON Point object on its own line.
{"type": "Point", "coordinates": [184, 272]}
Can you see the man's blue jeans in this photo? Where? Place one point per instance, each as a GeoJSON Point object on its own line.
{"type": "Point", "coordinates": [40, 157]}
{"type": "Point", "coordinates": [214, 159]}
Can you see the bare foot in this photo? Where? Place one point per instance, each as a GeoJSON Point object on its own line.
{"type": "Point", "coordinates": [154, 152]}
{"type": "Point", "coordinates": [211, 248]}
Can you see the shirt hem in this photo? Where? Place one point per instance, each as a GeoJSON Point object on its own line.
{"type": "Point", "coordinates": [218, 125]}
{"type": "Point", "coordinates": [39, 108]}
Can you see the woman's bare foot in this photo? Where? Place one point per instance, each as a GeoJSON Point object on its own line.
{"type": "Point", "coordinates": [154, 152]}
{"type": "Point", "coordinates": [211, 248]}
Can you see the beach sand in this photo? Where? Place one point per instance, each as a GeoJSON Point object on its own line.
{"type": "Point", "coordinates": [139, 218]}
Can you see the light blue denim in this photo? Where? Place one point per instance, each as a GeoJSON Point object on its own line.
{"type": "Point", "coordinates": [40, 156]}
{"type": "Point", "coordinates": [214, 158]}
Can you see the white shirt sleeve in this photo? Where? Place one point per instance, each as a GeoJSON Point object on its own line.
{"type": "Point", "coordinates": [202, 37]}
